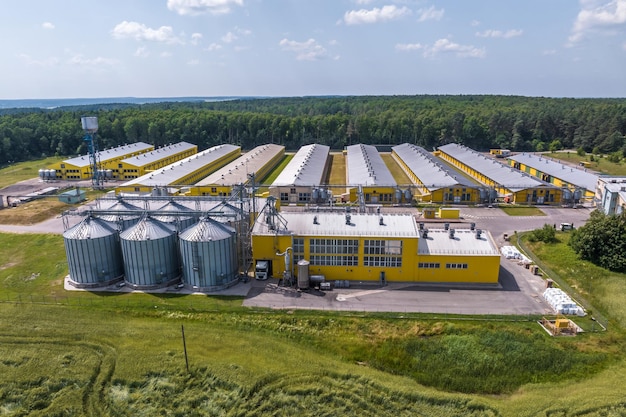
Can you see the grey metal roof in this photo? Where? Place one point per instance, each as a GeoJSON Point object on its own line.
{"type": "Point", "coordinates": [89, 228]}
{"type": "Point", "coordinates": [503, 175]}
{"type": "Point", "coordinates": [172, 173]}
{"type": "Point", "coordinates": [334, 224]}
{"type": "Point", "coordinates": [464, 242]}
{"type": "Point", "coordinates": [207, 230]}
{"type": "Point", "coordinates": [366, 167]}
{"type": "Point", "coordinates": [237, 171]}
{"type": "Point", "coordinates": [107, 154]}
{"type": "Point", "coordinates": [430, 171]}
{"type": "Point", "coordinates": [577, 176]}
{"type": "Point", "coordinates": [306, 168]}
{"type": "Point", "coordinates": [147, 229]}
{"type": "Point", "coordinates": [158, 154]}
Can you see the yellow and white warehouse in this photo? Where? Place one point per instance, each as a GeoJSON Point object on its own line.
{"type": "Point", "coordinates": [368, 247]}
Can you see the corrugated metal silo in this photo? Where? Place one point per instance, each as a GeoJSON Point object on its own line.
{"type": "Point", "coordinates": [93, 253]}
{"type": "Point", "coordinates": [175, 214]}
{"type": "Point", "coordinates": [124, 219]}
{"type": "Point", "coordinates": [150, 253]}
{"type": "Point", "coordinates": [209, 256]}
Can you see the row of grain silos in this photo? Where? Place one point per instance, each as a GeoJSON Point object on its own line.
{"type": "Point", "coordinates": [151, 251]}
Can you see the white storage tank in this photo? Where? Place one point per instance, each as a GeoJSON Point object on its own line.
{"type": "Point", "coordinates": [125, 219]}
{"type": "Point", "coordinates": [303, 274]}
{"type": "Point", "coordinates": [150, 253]}
{"type": "Point", "coordinates": [176, 215]}
{"type": "Point", "coordinates": [209, 256]}
{"type": "Point", "coordinates": [93, 253]}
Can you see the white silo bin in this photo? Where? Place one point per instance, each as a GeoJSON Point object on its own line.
{"type": "Point", "coordinates": [150, 253]}
{"type": "Point", "coordinates": [303, 274]}
{"type": "Point", "coordinates": [120, 215]}
{"type": "Point", "coordinates": [209, 256]}
{"type": "Point", "coordinates": [93, 253]}
{"type": "Point", "coordinates": [175, 214]}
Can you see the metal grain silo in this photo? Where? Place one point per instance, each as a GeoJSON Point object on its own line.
{"type": "Point", "coordinates": [93, 253]}
{"type": "Point", "coordinates": [175, 214]}
{"type": "Point", "coordinates": [150, 253]}
{"type": "Point", "coordinates": [209, 256]}
{"type": "Point", "coordinates": [120, 215]}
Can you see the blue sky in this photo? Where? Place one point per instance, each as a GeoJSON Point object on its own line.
{"type": "Point", "coordinates": [173, 48]}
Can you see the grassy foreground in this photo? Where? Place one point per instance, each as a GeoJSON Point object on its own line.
{"type": "Point", "coordinates": [121, 355]}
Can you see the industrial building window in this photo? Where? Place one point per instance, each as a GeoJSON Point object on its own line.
{"type": "Point", "coordinates": [334, 260]}
{"type": "Point", "coordinates": [304, 197]}
{"type": "Point", "coordinates": [456, 266]}
{"type": "Point", "coordinates": [432, 265]}
{"type": "Point", "coordinates": [284, 197]}
{"type": "Point", "coordinates": [387, 261]}
{"type": "Point", "coordinates": [213, 190]}
{"type": "Point", "coordinates": [298, 249]}
{"type": "Point", "coordinates": [388, 253]}
{"type": "Point", "coordinates": [334, 246]}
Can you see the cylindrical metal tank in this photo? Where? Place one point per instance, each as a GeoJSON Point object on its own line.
{"type": "Point", "coordinates": [93, 253]}
{"type": "Point", "coordinates": [52, 174]}
{"type": "Point", "coordinates": [303, 274]}
{"type": "Point", "coordinates": [150, 253]}
{"type": "Point", "coordinates": [209, 256]}
{"type": "Point", "coordinates": [316, 194]}
{"type": "Point", "coordinates": [175, 214]}
{"type": "Point", "coordinates": [398, 195]}
{"type": "Point", "coordinates": [567, 194]}
{"type": "Point", "coordinates": [408, 195]}
{"type": "Point", "coordinates": [42, 174]}
{"type": "Point", "coordinates": [124, 219]}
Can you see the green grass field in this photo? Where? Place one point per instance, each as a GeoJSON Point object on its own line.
{"type": "Point", "coordinates": [599, 164]}
{"type": "Point", "coordinates": [81, 353]}
{"type": "Point", "coordinates": [24, 170]}
{"type": "Point", "coordinates": [522, 211]}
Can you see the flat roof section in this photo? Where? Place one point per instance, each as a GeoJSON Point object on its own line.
{"type": "Point", "coordinates": [171, 173]}
{"type": "Point", "coordinates": [158, 154]}
{"type": "Point", "coordinates": [577, 176]}
{"type": "Point", "coordinates": [113, 153]}
{"type": "Point", "coordinates": [431, 172]}
{"type": "Point", "coordinates": [306, 168]}
{"type": "Point", "coordinates": [236, 172]}
{"type": "Point", "coordinates": [366, 167]}
{"type": "Point", "coordinates": [463, 242]}
{"type": "Point", "coordinates": [335, 225]}
{"type": "Point", "coordinates": [503, 175]}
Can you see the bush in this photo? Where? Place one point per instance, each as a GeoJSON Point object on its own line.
{"type": "Point", "coordinates": [601, 241]}
{"type": "Point", "coordinates": [546, 234]}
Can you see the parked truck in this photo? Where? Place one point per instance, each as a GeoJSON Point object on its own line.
{"type": "Point", "coordinates": [261, 270]}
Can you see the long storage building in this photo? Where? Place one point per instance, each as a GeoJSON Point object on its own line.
{"type": "Point", "coordinates": [579, 184]}
{"type": "Point", "coordinates": [136, 166]}
{"type": "Point", "coordinates": [301, 180]}
{"type": "Point", "coordinates": [437, 182]}
{"type": "Point", "coordinates": [80, 168]}
{"type": "Point", "coordinates": [172, 179]}
{"type": "Point", "coordinates": [512, 185]}
{"type": "Point", "coordinates": [259, 161]}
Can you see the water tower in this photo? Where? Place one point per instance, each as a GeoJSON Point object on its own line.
{"type": "Point", "coordinates": [90, 127]}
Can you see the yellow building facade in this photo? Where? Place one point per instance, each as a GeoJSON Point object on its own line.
{"type": "Point", "coordinates": [367, 247]}
{"type": "Point", "coordinates": [80, 168]}
{"type": "Point", "coordinates": [136, 166]}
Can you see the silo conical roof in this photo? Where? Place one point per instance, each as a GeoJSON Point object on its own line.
{"type": "Point", "coordinates": [206, 230]}
{"type": "Point", "coordinates": [121, 206]}
{"type": "Point", "coordinates": [171, 212]}
{"type": "Point", "coordinates": [89, 228]}
{"type": "Point", "coordinates": [147, 229]}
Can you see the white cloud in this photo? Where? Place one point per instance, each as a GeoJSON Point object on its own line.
{"type": "Point", "coordinates": [243, 32]}
{"type": "Point", "coordinates": [430, 14]}
{"type": "Point", "coordinates": [491, 33]}
{"type": "Point", "coordinates": [549, 52]}
{"type": "Point", "coordinates": [229, 37]}
{"type": "Point", "coordinates": [193, 62]}
{"type": "Point", "coordinates": [142, 52]}
{"type": "Point", "coordinates": [214, 47]}
{"type": "Point", "coordinates": [80, 60]}
{"type": "Point", "coordinates": [475, 23]}
{"type": "Point", "coordinates": [333, 42]}
{"type": "Point", "coordinates": [197, 7]}
{"type": "Point", "coordinates": [447, 46]}
{"type": "Point", "coordinates": [165, 54]}
{"type": "Point", "coordinates": [595, 16]}
{"type": "Point", "coordinates": [140, 32]}
{"type": "Point", "coordinates": [363, 1]}
{"type": "Point", "coordinates": [46, 63]}
{"type": "Point", "coordinates": [376, 15]}
{"type": "Point", "coordinates": [47, 25]}
{"type": "Point", "coordinates": [409, 46]}
{"type": "Point", "coordinates": [196, 38]}
{"type": "Point", "coordinates": [309, 50]}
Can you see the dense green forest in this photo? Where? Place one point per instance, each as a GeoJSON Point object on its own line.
{"type": "Point", "coordinates": [480, 122]}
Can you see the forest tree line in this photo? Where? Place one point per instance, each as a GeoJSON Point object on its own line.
{"type": "Point", "coordinates": [480, 122]}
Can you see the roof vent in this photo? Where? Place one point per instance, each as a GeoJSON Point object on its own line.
{"type": "Point", "coordinates": [478, 233]}
{"type": "Point", "coordinates": [425, 233]}
{"type": "Point", "coordinates": [451, 234]}
{"type": "Point", "coordinates": [421, 225]}
{"type": "Point", "coordinates": [446, 226]}
{"type": "Point", "coordinates": [348, 218]}
{"type": "Point", "coordinates": [381, 221]}
{"type": "Point", "coordinates": [472, 226]}
{"type": "Point", "coordinates": [315, 221]}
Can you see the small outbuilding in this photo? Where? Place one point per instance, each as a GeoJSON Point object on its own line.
{"type": "Point", "coordinates": [74, 196]}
